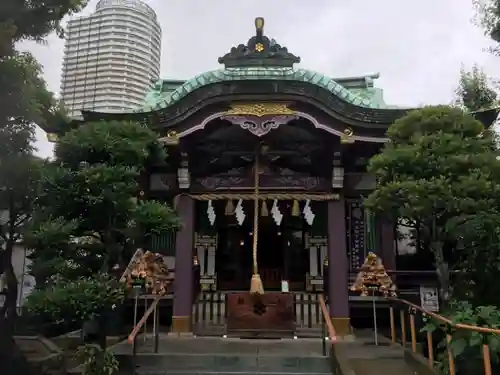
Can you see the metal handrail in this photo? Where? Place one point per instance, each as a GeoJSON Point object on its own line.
{"type": "Point", "coordinates": [412, 309]}
{"type": "Point", "coordinates": [131, 338]}
{"type": "Point", "coordinates": [445, 320]}
{"type": "Point", "coordinates": [326, 321]}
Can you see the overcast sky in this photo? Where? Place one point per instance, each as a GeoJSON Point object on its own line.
{"type": "Point", "coordinates": [417, 47]}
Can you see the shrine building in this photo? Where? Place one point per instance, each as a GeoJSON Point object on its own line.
{"type": "Point", "coordinates": [313, 136]}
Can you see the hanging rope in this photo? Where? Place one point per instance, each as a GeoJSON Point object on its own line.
{"type": "Point", "coordinates": [265, 196]}
{"type": "Point", "coordinates": [256, 286]}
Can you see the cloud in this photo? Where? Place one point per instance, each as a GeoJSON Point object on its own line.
{"type": "Point", "coordinates": [418, 47]}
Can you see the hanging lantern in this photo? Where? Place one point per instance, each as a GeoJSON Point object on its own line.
{"type": "Point", "coordinates": [264, 211]}
{"type": "Point", "coordinates": [295, 208]}
{"type": "Point", "coordinates": [229, 208]}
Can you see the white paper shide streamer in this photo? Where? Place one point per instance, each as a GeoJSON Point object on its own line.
{"type": "Point", "coordinates": [211, 213]}
{"type": "Point", "coordinates": [239, 212]}
{"type": "Point", "coordinates": [276, 213]}
{"type": "Point", "coordinates": [308, 214]}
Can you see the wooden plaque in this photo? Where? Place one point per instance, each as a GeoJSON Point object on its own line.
{"type": "Point", "coordinates": [269, 315]}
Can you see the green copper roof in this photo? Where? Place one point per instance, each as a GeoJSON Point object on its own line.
{"type": "Point", "coordinates": [156, 99]}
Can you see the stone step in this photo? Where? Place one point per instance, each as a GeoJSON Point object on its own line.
{"type": "Point", "coordinates": [220, 330]}
{"type": "Point", "coordinates": [224, 364]}
{"type": "Point", "coordinates": [230, 346]}
{"type": "Point", "coordinates": [139, 372]}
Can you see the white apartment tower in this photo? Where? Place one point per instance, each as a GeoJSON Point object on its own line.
{"type": "Point", "coordinates": [111, 57]}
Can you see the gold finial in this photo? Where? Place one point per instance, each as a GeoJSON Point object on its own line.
{"type": "Point", "coordinates": [347, 136]}
{"type": "Point", "coordinates": [172, 138]}
{"type": "Point", "coordinates": [52, 137]}
{"type": "Point", "coordinates": [259, 23]}
{"type": "Point", "coordinates": [172, 134]}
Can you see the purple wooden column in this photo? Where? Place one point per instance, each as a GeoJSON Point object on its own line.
{"type": "Point", "coordinates": [387, 244]}
{"type": "Point", "coordinates": [183, 283]}
{"type": "Point", "coordinates": [338, 283]}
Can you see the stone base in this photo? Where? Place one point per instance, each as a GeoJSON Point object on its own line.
{"type": "Point", "coordinates": [181, 324]}
{"type": "Point", "coordinates": [342, 326]}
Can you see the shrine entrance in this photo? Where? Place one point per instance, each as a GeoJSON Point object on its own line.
{"type": "Point", "coordinates": [281, 251]}
{"type": "Point", "coordinates": [286, 168]}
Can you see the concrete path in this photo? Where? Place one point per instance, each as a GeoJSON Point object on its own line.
{"type": "Point", "coordinates": [367, 359]}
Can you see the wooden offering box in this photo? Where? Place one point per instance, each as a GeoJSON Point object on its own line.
{"type": "Point", "coordinates": [268, 315]}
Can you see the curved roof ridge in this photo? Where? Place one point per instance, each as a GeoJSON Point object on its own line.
{"type": "Point", "coordinates": [258, 73]}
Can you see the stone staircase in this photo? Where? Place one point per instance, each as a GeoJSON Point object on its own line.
{"type": "Point", "coordinates": [215, 355]}
{"type": "Point", "coordinates": [189, 355]}
{"type": "Point", "coordinates": [364, 358]}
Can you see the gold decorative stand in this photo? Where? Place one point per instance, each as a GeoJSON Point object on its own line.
{"type": "Point", "coordinates": [373, 278]}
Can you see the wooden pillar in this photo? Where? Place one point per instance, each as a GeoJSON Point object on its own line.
{"type": "Point", "coordinates": [183, 284]}
{"type": "Point", "coordinates": [338, 283]}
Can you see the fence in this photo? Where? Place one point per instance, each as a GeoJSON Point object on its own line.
{"type": "Point", "coordinates": [210, 313]}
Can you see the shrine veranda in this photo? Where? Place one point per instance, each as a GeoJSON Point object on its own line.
{"type": "Point", "coordinates": [317, 134]}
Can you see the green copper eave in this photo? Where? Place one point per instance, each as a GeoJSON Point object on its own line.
{"type": "Point", "coordinates": [156, 100]}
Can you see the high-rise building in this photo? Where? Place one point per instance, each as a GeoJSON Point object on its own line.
{"type": "Point", "coordinates": [111, 57]}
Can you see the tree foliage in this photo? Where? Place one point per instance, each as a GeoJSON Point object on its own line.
{"type": "Point", "coordinates": [90, 214]}
{"type": "Point", "coordinates": [25, 101]}
{"type": "Point", "coordinates": [439, 169]}
{"type": "Point", "coordinates": [474, 91]}
{"type": "Point", "coordinates": [466, 345]}
{"type": "Point", "coordinates": [32, 19]}
{"type": "Point", "coordinates": [488, 17]}
{"type": "Point", "coordinates": [70, 299]}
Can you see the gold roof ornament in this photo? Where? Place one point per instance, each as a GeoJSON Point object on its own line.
{"type": "Point", "coordinates": [259, 51]}
{"type": "Point", "coordinates": [259, 109]}
{"type": "Point", "coordinates": [171, 139]}
{"type": "Point", "coordinates": [347, 135]}
{"type": "Point", "coordinates": [52, 137]}
{"type": "Point", "coordinates": [259, 23]}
